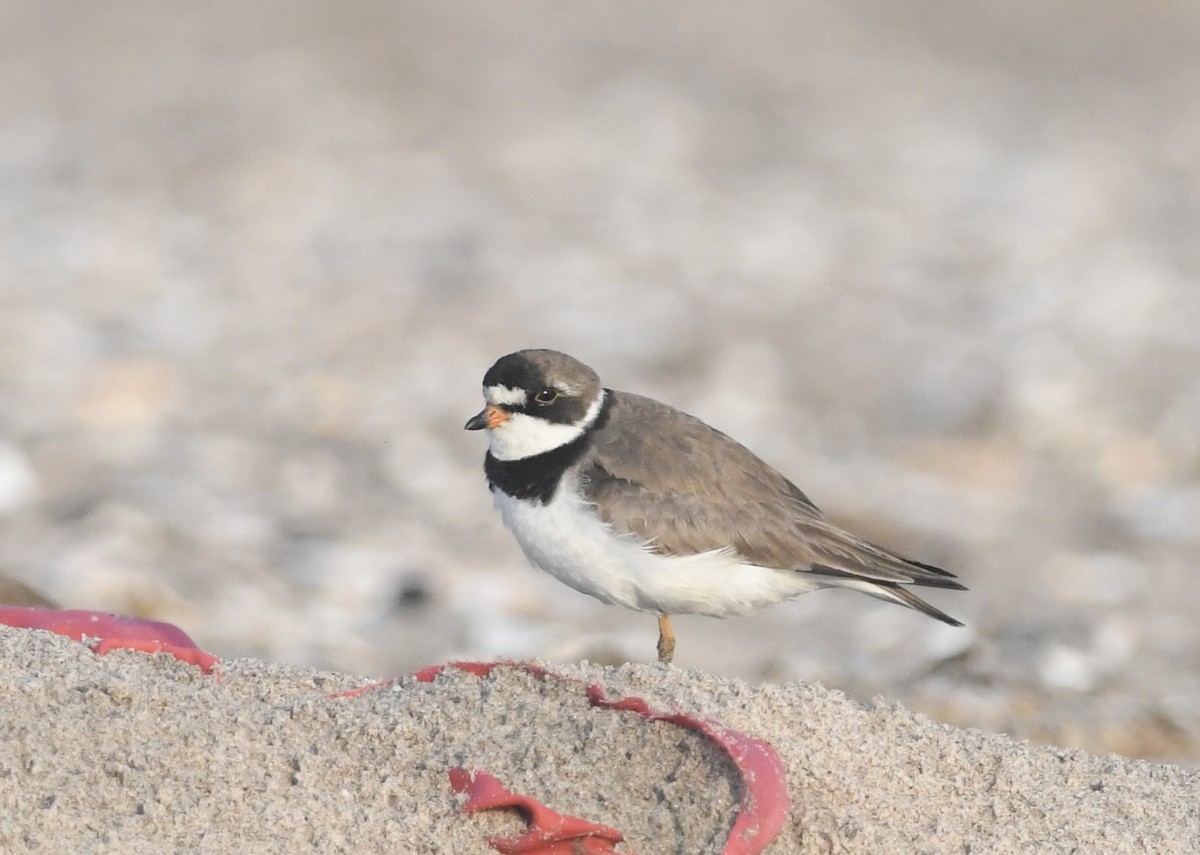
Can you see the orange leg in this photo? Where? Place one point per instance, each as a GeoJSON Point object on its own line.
{"type": "Point", "coordinates": [666, 639]}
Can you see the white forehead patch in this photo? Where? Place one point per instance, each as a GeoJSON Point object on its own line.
{"type": "Point", "coordinates": [504, 396]}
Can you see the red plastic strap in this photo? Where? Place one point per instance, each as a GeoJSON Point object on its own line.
{"type": "Point", "coordinates": [115, 632]}
{"type": "Point", "coordinates": [764, 802]}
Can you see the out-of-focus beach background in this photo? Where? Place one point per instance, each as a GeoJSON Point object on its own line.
{"type": "Point", "coordinates": [938, 263]}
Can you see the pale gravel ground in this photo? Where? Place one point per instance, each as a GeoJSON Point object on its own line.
{"type": "Point", "coordinates": [938, 264]}
{"type": "Point", "coordinates": [125, 753]}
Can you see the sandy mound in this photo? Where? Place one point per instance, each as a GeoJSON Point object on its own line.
{"type": "Point", "coordinates": [129, 752]}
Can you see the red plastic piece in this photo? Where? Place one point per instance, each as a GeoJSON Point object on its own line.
{"type": "Point", "coordinates": [765, 801]}
{"type": "Point", "coordinates": [115, 632]}
{"type": "Point", "coordinates": [550, 832]}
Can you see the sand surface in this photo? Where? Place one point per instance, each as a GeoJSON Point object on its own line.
{"type": "Point", "coordinates": [133, 753]}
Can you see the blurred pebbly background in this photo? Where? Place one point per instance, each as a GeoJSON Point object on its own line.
{"type": "Point", "coordinates": [938, 263]}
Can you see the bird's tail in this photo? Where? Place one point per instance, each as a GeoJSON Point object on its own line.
{"type": "Point", "coordinates": [894, 593]}
{"type": "Point", "coordinates": [905, 597]}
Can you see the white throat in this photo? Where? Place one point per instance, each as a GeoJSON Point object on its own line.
{"type": "Point", "coordinates": [524, 435]}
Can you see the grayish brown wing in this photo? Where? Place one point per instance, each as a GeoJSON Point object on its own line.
{"type": "Point", "coordinates": [693, 489]}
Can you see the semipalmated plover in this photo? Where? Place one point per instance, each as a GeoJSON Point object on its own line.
{"type": "Point", "coordinates": [640, 505]}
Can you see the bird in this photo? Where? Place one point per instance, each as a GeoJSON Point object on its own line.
{"type": "Point", "coordinates": [641, 505]}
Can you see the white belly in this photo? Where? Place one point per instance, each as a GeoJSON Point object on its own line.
{"type": "Point", "coordinates": [567, 540]}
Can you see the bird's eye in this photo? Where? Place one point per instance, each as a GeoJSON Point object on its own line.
{"type": "Point", "coordinates": [546, 396]}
